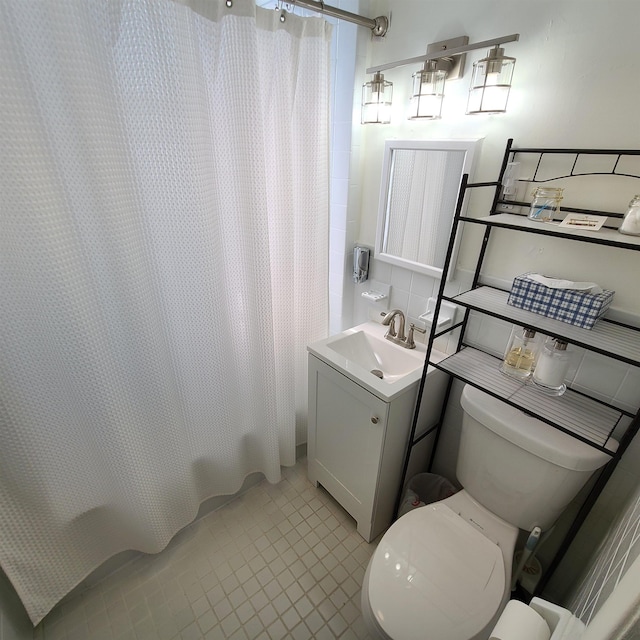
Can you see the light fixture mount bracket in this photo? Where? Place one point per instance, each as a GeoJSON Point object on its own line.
{"type": "Point", "coordinates": [454, 65]}
{"type": "Point", "coordinates": [451, 51]}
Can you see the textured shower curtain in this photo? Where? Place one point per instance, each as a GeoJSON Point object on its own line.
{"type": "Point", "coordinates": [163, 263]}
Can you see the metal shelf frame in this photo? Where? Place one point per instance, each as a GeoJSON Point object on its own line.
{"type": "Point", "coordinates": [519, 222]}
{"type": "Point", "coordinates": [575, 413]}
{"type": "Point", "coordinates": [607, 337]}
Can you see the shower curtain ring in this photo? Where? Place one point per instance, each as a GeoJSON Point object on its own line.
{"type": "Point", "coordinates": [284, 7]}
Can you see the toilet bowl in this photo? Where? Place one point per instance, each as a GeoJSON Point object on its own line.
{"type": "Point", "coordinates": [449, 564]}
{"type": "Point", "coordinates": [443, 571]}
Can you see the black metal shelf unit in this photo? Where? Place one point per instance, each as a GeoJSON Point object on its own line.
{"type": "Point", "coordinates": [575, 413]}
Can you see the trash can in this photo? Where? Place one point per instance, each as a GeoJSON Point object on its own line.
{"type": "Point", "coordinates": [424, 489]}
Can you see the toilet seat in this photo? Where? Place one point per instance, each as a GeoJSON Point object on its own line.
{"type": "Point", "coordinates": [434, 574]}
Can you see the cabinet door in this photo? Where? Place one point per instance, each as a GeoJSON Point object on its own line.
{"type": "Point", "coordinates": [347, 427]}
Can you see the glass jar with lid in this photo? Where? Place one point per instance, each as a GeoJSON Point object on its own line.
{"type": "Point", "coordinates": [552, 366]}
{"type": "Point", "coordinates": [545, 204]}
{"type": "Point", "coordinates": [630, 224]}
{"type": "Point", "coordinates": [520, 356]}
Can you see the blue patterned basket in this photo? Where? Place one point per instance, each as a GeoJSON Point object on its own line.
{"type": "Point", "coordinates": [575, 307]}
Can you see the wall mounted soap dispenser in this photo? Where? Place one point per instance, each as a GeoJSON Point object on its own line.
{"type": "Point", "coordinates": [360, 264]}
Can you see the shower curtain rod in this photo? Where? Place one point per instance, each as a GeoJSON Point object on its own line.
{"type": "Point", "coordinates": [377, 25]}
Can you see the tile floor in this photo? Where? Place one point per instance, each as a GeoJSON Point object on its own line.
{"type": "Point", "coordinates": [280, 561]}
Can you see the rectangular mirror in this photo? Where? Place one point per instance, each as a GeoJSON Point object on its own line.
{"type": "Point", "coordinates": [418, 195]}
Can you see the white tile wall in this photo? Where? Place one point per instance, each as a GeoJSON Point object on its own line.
{"type": "Point", "coordinates": [409, 292]}
{"type": "Point", "coordinates": [601, 376]}
{"type": "Point", "coordinates": [627, 393]}
{"type": "Point", "coordinates": [342, 228]}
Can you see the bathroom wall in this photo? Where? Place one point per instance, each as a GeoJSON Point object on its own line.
{"type": "Point", "coordinates": [343, 220]}
{"type": "Point", "coordinates": [567, 93]}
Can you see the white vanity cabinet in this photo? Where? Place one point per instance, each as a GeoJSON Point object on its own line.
{"type": "Point", "coordinates": [356, 444]}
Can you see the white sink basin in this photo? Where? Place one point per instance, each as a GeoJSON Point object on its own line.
{"type": "Point", "coordinates": [364, 355]}
{"type": "Point", "coordinates": [390, 361]}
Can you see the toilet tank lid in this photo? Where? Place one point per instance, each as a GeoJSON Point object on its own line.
{"type": "Point", "coordinates": [531, 434]}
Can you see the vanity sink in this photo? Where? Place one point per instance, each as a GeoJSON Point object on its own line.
{"type": "Point", "coordinates": [389, 361]}
{"type": "Point", "coordinates": [363, 354]}
{"type": "Point", "coordinates": [359, 424]}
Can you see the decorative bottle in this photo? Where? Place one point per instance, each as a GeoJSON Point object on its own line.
{"type": "Point", "coordinates": [630, 224]}
{"type": "Point", "coordinates": [520, 356]}
{"type": "Point", "coordinates": [552, 366]}
{"type": "Point", "coordinates": [545, 204]}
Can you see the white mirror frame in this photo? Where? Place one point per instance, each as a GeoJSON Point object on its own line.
{"type": "Point", "coordinates": [470, 147]}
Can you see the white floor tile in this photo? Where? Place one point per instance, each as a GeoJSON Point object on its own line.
{"type": "Point", "coordinates": [279, 562]}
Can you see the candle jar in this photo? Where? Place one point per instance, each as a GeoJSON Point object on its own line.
{"type": "Point", "coordinates": [520, 355]}
{"type": "Point", "coordinates": [630, 224]}
{"type": "Point", "coordinates": [552, 366]}
{"type": "Point", "coordinates": [545, 204]}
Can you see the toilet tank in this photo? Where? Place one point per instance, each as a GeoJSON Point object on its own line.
{"type": "Point", "coordinates": [520, 468]}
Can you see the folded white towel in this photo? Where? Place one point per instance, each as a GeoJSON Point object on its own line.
{"type": "Point", "coordinates": [557, 283]}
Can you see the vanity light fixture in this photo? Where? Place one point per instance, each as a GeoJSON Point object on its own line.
{"type": "Point", "coordinates": [444, 60]}
{"type": "Point", "coordinates": [490, 83]}
{"type": "Point", "coordinates": [428, 91]}
{"type": "Point", "coordinates": [376, 100]}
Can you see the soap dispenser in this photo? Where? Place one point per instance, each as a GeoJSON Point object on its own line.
{"type": "Point", "coordinates": [551, 369]}
{"type": "Point", "coordinates": [360, 264]}
{"type": "Point", "coordinates": [520, 355]}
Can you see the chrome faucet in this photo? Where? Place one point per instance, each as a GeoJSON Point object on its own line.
{"type": "Point", "coordinates": [389, 320]}
{"type": "Point", "coordinates": [397, 336]}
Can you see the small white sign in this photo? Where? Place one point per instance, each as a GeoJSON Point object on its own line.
{"type": "Point", "coordinates": [583, 221]}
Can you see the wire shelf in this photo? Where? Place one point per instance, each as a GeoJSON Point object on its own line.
{"type": "Point", "coordinates": [605, 236]}
{"type": "Point", "coordinates": [607, 338]}
{"type": "Point", "coordinates": [575, 414]}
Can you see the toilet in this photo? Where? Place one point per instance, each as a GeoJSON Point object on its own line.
{"type": "Point", "coordinates": [443, 571]}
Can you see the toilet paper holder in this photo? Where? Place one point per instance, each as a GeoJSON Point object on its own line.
{"type": "Point", "coordinates": [562, 624]}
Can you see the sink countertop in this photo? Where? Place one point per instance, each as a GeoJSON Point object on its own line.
{"type": "Point", "coordinates": [394, 385]}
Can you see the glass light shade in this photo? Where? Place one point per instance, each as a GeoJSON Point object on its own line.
{"type": "Point", "coordinates": [490, 83]}
{"type": "Point", "coordinates": [428, 91]}
{"type": "Point", "coordinates": [376, 101]}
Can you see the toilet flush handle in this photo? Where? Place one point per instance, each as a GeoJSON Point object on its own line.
{"type": "Point", "coordinates": [375, 419]}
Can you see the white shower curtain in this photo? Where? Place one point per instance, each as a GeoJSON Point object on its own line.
{"type": "Point", "coordinates": [163, 263]}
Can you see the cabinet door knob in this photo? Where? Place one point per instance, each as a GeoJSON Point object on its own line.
{"type": "Point", "coordinates": [375, 419]}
